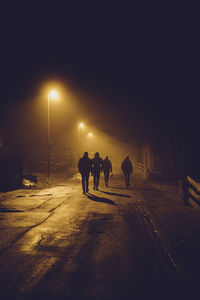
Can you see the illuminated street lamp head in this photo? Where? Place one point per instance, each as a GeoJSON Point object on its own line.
{"type": "Point", "coordinates": [53, 94]}
{"type": "Point", "coordinates": [90, 134]}
{"type": "Point", "coordinates": [81, 125]}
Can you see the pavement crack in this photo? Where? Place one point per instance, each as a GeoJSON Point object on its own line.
{"type": "Point", "coordinates": [54, 208]}
{"type": "Point", "coordinates": [42, 239]}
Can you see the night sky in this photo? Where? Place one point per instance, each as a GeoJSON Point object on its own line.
{"type": "Point", "coordinates": [136, 68]}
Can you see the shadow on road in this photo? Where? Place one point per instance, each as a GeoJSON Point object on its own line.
{"type": "Point", "coordinates": [121, 188]}
{"type": "Point", "coordinates": [100, 199]}
{"type": "Point", "coordinates": [115, 194]}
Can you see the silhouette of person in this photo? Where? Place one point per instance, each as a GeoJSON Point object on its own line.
{"type": "Point", "coordinates": [127, 169]}
{"type": "Point", "coordinates": [96, 169]}
{"type": "Point", "coordinates": [85, 167]}
{"type": "Point", "coordinates": [107, 168]}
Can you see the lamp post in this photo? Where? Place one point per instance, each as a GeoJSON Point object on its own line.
{"type": "Point", "coordinates": [80, 128]}
{"type": "Point", "coordinates": [52, 95]}
{"type": "Point", "coordinates": [90, 136]}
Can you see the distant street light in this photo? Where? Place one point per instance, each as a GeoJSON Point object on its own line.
{"type": "Point", "coordinates": [80, 128]}
{"type": "Point", "coordinates": [52, 95]}
{"type": "Point", "coordinates": [81, 125]}
{"type": "Point", "coordinates": [90, 135]}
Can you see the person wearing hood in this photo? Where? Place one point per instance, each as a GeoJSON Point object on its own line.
{"type": "Point", "coordinates": [85, 167]}
{"type": "Point", "coordinates": [107, 169]}
{"type": "Point", "coordinates": [127, 169]}
{"type": "Point", "coordinates": [97, 162]}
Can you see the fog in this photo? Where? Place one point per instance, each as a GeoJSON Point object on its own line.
{"type": "Point", "coordinates": [24, 129]}
{"type": "Point", "coordinates": [93, 140]}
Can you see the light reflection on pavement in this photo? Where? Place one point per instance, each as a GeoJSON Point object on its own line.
{"type": "Point", "coordinates": [61, 243]}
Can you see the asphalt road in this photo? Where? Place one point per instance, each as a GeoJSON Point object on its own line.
{"type": "Point", "coordinates": [57, 243]}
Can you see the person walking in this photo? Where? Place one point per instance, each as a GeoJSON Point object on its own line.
{"type": "Point", "coordinates": [107, 169]}
{"type": "Point", "coordinates": [127, 169]}
{"type": "Point", "coordinates": [85, 167]}
{"type": "Point", "coordinates": [97, 162]}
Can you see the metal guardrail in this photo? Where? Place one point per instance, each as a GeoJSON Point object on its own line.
{"type": "Point", "coordinates": [191, 191]}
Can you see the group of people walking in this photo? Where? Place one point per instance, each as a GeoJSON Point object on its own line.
{"type": "Point", "coordinates": [96, 165]}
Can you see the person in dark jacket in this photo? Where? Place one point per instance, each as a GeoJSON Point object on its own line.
{"type": "Point", "coordinates": [96, 169]}
{"type": "Point", "coordinates": [127, 169]}
{"type": "Point", "coordinates": [85, 167]}
{"type": "Point", "coordinates": [107, 169]}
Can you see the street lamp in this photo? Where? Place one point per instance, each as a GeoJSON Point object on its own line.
{"type": "Point", "coordinates": [51, 95]}
{"type": "Point", "coordinates": [81, 125]}
{"type": "Point", "coordinates": [80, 128]}
{"type": "Point", "coordinates": [90, 135]}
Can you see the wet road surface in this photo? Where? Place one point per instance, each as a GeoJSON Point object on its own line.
{"type": "Point", "coordinates": [57, 243]}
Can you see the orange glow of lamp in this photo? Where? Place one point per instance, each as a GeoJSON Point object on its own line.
{"type": "Point", "coordinates": [53, 94]}
{"type": "Point", "coordinates": [81, 125]}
